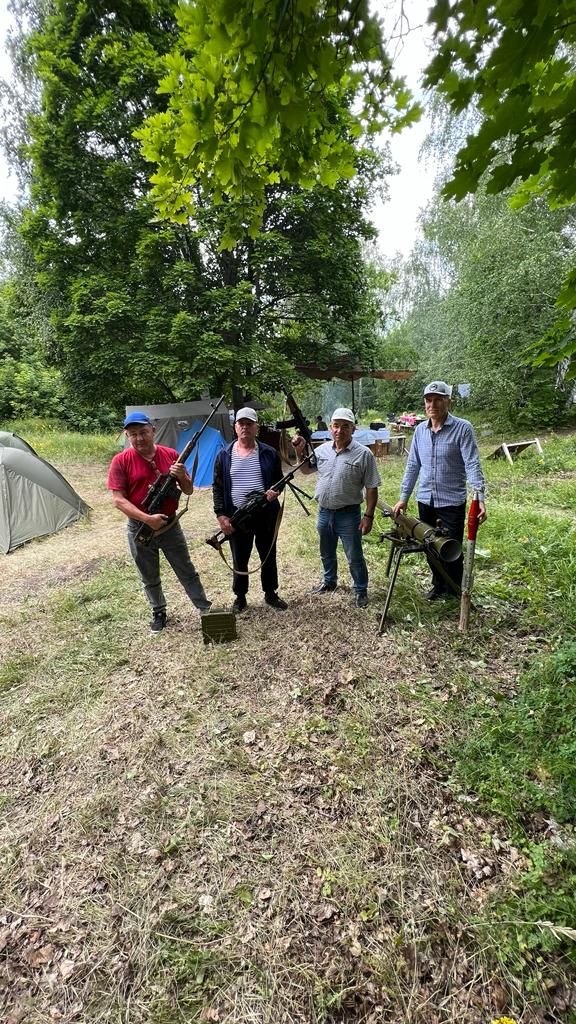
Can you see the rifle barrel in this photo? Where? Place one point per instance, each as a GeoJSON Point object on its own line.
{"type": "Point", "coordinates": [194, 440]}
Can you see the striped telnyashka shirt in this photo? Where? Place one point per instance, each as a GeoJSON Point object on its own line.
{"type": "Point", "coordinates": [442, 462]}
{"type": "Point", "coordinates": [245, 475]}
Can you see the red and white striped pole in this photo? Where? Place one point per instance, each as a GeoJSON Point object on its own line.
{"type": "Point", "coordinates": [468, 574]}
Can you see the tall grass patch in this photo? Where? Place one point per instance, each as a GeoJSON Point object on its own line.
{"type": "Point", "coordinates": [519, 758]}
{"type": "Point", "coordinates": [53, 443]}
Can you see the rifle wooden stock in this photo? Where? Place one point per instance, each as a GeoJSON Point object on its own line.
{"type": "Point", "coordinates": [165, 486]}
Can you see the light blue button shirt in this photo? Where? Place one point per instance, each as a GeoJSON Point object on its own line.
{"type": "Point", "coordinates": [342, 476]}
{"type": "Point", "coordinates": [442, 461]}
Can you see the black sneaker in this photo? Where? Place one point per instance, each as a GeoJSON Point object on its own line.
{"type": "Point", "coordinates": [435, 595]}
{"type": "Point", "coordinates": [158, 620]}
{"type": "Point", "coordinates": [239, 604]}
{"type": "Point", "coordinates": [324, 588]}
{"type": "Point", "coordinates": [361, 600]}
{"type": "Point", "coordinates": [275, 602]}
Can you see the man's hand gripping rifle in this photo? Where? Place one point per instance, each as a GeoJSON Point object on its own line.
{"type": "Point", "coordinates": [300, 423]}
{"type": "Point", "coordinates": [166, 487]}
{"type": "Point", "coordinates": [410, 535]}
{"type": "Point", "coordinates": [257, 500]}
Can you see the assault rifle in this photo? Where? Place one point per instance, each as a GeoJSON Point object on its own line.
{"type": "Point", "coordinates": [256, 500]}
{"type": "Point", "coordinates": [166, 487]}
{"type": "Point", "coordinates": [300, 422]}
{"type": "Point", "coordinates": [410, 535]}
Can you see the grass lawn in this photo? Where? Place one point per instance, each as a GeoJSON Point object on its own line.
{"type": "Point", "coordinates": [314, 824]}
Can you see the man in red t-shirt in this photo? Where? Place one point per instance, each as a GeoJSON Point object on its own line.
{"type": "Point", "coordinates": [129, 477]}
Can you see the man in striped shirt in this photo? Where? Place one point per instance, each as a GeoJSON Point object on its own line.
{"type": "Point", "coordinates": [443, 456]}
{"type": "Point", "coordinates": [244, 466]}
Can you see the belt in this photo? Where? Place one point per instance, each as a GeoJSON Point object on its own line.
{"type": "Point", "coordinates": [341, 508]}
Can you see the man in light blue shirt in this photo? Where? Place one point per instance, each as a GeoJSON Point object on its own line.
{"type": "Point", "coordinates": [345, 470]}
{"type": "Point", "coordinates": [443, 456]}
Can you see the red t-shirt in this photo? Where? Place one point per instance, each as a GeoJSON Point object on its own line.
{"type": "Point", "coordinates": [132, 474]}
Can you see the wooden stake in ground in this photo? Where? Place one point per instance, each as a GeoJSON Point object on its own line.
{"type": "Point", "coordinates": [468, 574]}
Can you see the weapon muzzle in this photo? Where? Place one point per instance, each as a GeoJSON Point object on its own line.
{"type": "Point", "coordinates": [448, 549]}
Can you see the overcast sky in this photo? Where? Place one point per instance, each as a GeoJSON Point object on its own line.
{"type": "Point", "coordinates": [411, 188]}
{"type": "Point", "coordinates": [8, 184]}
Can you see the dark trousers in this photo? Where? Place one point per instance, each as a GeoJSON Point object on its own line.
{"type": "Point", "coordinates": [258, 530]}
{"type": "Point", "coordinates": [452, 518]}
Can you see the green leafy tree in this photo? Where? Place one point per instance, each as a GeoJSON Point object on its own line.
{"type": "Point", "coordinates": [137, 310]}
{"type": "Point", "coordinates": [267, 92]}
{"type": "Point", "coordinates": [514, 61]}
{"type": "Point", "coordinates": [486, 293]}
{"type": "Point", "coordinates": [28, 387]}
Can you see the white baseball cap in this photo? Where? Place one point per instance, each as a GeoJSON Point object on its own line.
{"type": "Point", "coordinates": [247, 414]}
{"type": "Point", "coordinates": [343, 414]}
{"type": "Point", "coordinates": [438, 387]}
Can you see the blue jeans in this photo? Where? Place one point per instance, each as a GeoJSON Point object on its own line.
{"type": "Point", "coordinates": [343, 524]}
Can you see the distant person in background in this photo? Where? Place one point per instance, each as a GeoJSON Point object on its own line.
{"type": "Point", "coordinates": [346, 470]}
{"type": "Point", "coordinates": [321, 424]}
{"type": "Point", "coordinates": [130, 475]}
{"type": "Point", "coordinates": [443, 456]}
{"type": "Point", "coordinates": [244, 466]}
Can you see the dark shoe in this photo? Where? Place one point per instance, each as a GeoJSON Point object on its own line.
{"type": "Point", "coordinates": [324, 588]}
{"type": "Point", "coordinates": [275, 602]}
{"type": "Point", "coordinates": [361, 600]}
{"type": "Point", "coordinates": [158, 620]}
{"type": "Point", "coordinates": [435, 595]}
{"type": "Point", "coordinates": [239, 604]}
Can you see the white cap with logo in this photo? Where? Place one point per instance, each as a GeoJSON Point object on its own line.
{"type": "Point", "coordinates": [343, 414]}
{"type": "Point", "coordinates": [247, 414]}
{"type": "Point", "coordinates": [438, 387]}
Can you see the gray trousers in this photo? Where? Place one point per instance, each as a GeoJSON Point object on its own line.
{"type": "Point", "coordinates": [147, 559]}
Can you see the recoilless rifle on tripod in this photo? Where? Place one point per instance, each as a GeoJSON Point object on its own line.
{"type": "Point", "coordinates": [409, 536]}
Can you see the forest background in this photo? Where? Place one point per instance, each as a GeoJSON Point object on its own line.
{"type": "Point", "coordinates": [102, 294]}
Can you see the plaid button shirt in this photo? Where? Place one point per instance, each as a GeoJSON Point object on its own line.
{"type": "Point", "coordinates": [442, 462]}
{"type": "Point", "coordinates": [342, 476]}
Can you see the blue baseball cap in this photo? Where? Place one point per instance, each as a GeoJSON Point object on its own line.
{"type": "Point", "coordinates": [137, 417]}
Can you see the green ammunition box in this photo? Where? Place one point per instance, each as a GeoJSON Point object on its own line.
{"type": "Point", "coordinates": [218, 626]}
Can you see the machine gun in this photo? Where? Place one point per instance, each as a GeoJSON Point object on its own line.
{"type": "Point", "coordinates": [166, 487]}
{"type": "Point", "coordinates": [410, 535]}
{"type": "Point", "coordinates": [256, 500]}
{"type": "Point", "coordinates": [300, 422]}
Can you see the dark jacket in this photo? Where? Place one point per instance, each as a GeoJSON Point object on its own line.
{"type": "Point", "coordinates": [222, 485]}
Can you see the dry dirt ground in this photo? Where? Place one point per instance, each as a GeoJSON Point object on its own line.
{"type": "Point", "coordinates": [253, 833]}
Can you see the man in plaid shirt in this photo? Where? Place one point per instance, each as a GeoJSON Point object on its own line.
{"type": "Point", "coordinates": [443, 456]}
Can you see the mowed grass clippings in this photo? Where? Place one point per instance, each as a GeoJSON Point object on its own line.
{"type": "Point", "coordinates": [260, 831]}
